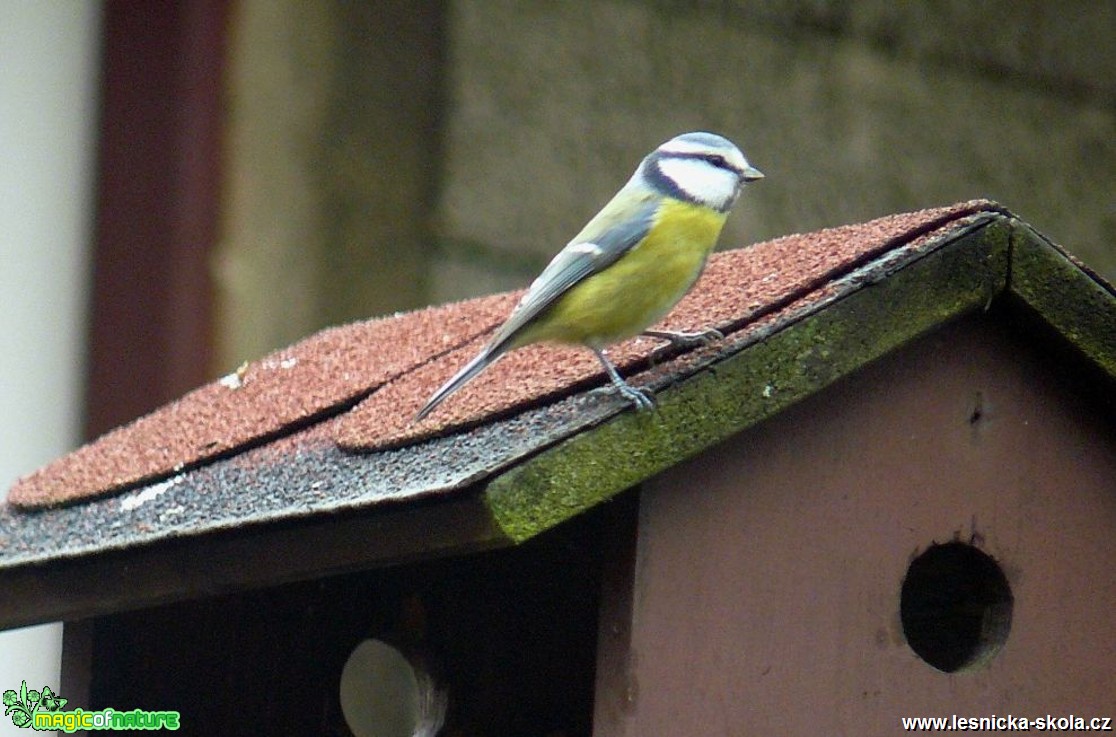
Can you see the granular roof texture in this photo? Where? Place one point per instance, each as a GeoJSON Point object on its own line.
{"type": "Point", "coordinates": [272, 396]}
{"type": "Point", "coordinates": [358, 386]}
{"type": "Point", "coordinates": [737, 288]}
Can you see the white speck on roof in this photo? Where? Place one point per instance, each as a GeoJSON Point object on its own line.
{"type": "Point", "coordinates": [128, 503]}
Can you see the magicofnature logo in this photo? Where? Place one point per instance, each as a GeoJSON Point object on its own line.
{"type": "Point", "coordinates": [43, 710]}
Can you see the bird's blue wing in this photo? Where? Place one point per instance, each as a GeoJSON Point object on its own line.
{"type": "Point", "coordinates": [615, 230]}
{"type": "Point", "coordinates": [589, 253]}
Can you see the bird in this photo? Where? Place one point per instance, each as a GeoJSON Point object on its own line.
{"type": "Point", "coordinates": [630, 264]}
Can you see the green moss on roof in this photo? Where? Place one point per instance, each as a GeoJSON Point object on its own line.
{"type": "Point", "coordinates": [1075, 302]}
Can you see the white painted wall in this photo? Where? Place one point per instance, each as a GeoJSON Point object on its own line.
{"type": "Point", "coordinates": [49, 57]}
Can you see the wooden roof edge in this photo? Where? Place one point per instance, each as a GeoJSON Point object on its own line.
{"type": "Point", "coordinates": [251, 557]}
{"type": "Point", "coordinates": [893, 302]}
{"type": "Point", "coordinates": [1069, 296]}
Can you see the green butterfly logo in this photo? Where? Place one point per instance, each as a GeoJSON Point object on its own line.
{"type": "Point", "coordinates": [23, 705]}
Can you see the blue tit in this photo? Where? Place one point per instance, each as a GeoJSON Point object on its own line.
{"type": "Point", "coordinates": [631, 263]}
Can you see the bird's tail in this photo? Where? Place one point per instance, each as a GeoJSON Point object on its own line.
{"type": "Point", "coordinates": [483, 360]}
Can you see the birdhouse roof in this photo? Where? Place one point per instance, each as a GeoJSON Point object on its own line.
{"type": "Point", "coordinates": [308, 461]}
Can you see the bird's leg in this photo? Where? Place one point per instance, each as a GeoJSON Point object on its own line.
{"type": "Point", "coordinates": [686, 340]}
{"type": "Point", "coordinates": [642, 399]}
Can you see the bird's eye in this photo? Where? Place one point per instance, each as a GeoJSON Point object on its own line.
{"type": "Point", "coordinates": [716, 160]}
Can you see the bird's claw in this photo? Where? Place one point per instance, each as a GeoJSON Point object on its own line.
{"type": "Point", "coordinates": [685, 339]}
{"type": "Point", "coordinates": [642, 399]}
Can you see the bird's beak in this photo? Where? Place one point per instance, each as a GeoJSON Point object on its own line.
{"type": "Point", "coordinates": [751, 174]}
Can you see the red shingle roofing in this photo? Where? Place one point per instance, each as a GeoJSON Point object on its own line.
{"type": "Point", "coordinates": [737, 288]}
{"type": "Point", "coordinates": [293, 387]}
{"type": "Point", "coordinates": [372, 377]}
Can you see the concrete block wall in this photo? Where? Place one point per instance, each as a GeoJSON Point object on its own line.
{"type": "Point", "coordinates": [382, 158]}
{"type": "Point", "coordinates": [853, 110]}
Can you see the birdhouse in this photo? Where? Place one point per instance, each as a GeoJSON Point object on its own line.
{"type": "Point", "coordinates": [887, 494]}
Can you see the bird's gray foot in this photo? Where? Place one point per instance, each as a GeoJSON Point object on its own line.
{"type": "Point", "coordinates": [641, 399]}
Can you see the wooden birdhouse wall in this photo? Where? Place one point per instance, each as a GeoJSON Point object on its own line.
{"type": "Point", "coordinates": [767, 574]}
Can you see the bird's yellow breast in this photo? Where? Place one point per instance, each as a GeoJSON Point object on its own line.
{"type": "Point", "coordinates": [640, 287]}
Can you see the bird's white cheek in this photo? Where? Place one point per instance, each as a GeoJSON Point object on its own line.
{"type": "Point", "coordinates": [709, 184]}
